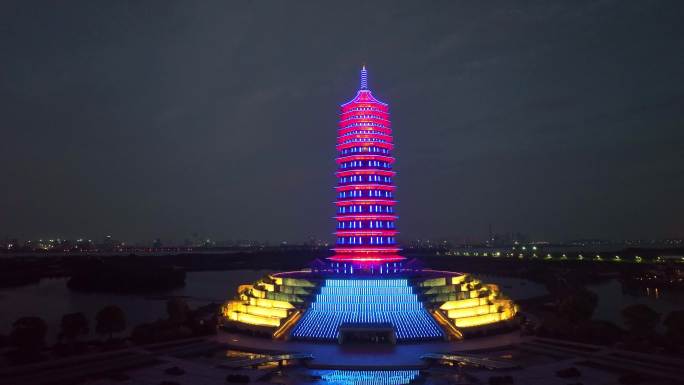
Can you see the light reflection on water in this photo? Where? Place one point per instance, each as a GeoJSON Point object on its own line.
{"type": "Point", "coordinates": [299, 376]}
{"type": "Point", "coordinates": [365, 377]}
{"type": "Point", "coordinates": [612, 298]}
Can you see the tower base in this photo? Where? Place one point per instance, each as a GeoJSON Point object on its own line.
{"type": "Point", "coordinates": [417, 304]}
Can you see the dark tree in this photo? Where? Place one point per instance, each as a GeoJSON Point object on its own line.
{"type": "Point", "coordinates": [598, 332]}
{"type": "Point", "coordinates": [578, 306]}
{"type": "Point", "coordinates": [674, 322]}
{"type": "Point", "coordinates": [28, 334]}
{"type": "Point", "coordinates": [4, 340]}
{"type": "Point", "coordinates": [640, 319]}
{"type": "Point", "coordinates": [111, 319]}
{"type": "Point", "coordinates": [178, 310]}
{"type": "Point", "coordinates": [73, 325]}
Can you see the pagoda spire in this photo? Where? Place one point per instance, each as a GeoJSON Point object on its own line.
{"type": "Point", "coordinates": [364, 78]}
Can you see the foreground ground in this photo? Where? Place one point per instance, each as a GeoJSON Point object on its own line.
{"type": "Point", "coordinates": [527, 360]}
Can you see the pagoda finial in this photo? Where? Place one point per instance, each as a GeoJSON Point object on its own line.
{"type": "Point", "coordinates": [364, 78]}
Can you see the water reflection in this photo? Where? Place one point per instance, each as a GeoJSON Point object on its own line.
{"type": "Point", "coordinates": [50, 299]}
{"type": "Point", "coordinates": [655, 293]}
{"type": "Point", "coordinates": [366, 377]}
{"type": "Point", "coordinates": [613, 297]}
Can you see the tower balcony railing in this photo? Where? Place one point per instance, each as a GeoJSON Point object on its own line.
{"type": "Point", "coordinates": [365, 167]}
{"type": "Point", "coordinates": [364, 114]}
{"type": "Point", "coordinates": [365, 209]}
{"type": "Point", "coordinates": [365, 186]}
{"type": "Point", "coordinates": [359, 157]}
{"type": "Point", "coordinates": [355, 118]}
{"type": "Point", "coordinates": [366, 201]}
{"type": "Point", "coordinates": [385, 145]}
{"type": "Point", "coordinates": [366, 233]}
{"type": "Point", "coordinates": [365, 171]}
{"type": "Point", "coordinates": [365, 109]}
{"type": "Point", "coordinates": [364, 150]}
{"type": "Point", "coordinates": [361, 194]}
{"type": "Point", "coordinates": [367, 129]}
{"type": "Point", "coordinates": [365, 217]}
{"type": "Point", "coordinates": [367, 123]}
{"type": "Point", "coordinates": [355, 183]}
{"type": "Point", "coordinates": [367, 250]}
{"type": "Point", "coordinates": [365, 135]}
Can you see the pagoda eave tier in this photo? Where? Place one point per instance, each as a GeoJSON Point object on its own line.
{"type": "Point", "coordinates": [376, 186]}
{"type": "Point", "coordinates": [366, 250]}
{"type": "Point", "coordinates": [349, 158]}
{"type": "Point", "coordinates": [362, 143]}
{"type": "Point", "coordinates": [367, 257]}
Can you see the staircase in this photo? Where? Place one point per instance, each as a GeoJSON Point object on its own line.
{"type": "Point", "coordinates": [367, 301]}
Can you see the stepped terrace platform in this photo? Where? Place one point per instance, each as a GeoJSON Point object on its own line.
{"type": "Point", "coordinates": [420, 304]}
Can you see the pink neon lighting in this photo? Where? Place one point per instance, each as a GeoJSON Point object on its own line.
{"type": "Point", "coordinates": [362, 143]}
{"type": "Point", "coordinates": [366, 217]}
{"type": "Point", "coordinates": [366, 250]}
{"type": "Point", "coordinates": [379, 137]}
{"type": "Point", "coordinates": [351, 158]}
{"type": "Point", "coordinates": [347, 130]}
{"type": "Point", "coordinates": [362, 171]}
{"type": "Point", "coordinates": [348, 187]}
{"type": "Point", "coordinates": [350, 258]}
{"type": "Point", "coordinates": [361, 201]}
{"type": "Point", "coordinates": [366, 233]}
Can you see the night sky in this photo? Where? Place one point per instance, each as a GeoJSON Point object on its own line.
{"type": "Point", "coordinates": [559, 119]}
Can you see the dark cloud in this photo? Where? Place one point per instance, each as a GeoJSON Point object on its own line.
{"type": "Point", "coordinates": [560, 119]}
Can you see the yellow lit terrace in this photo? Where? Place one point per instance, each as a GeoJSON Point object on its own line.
{"type": "Point", "coordinates": [271, 305]}
{"type": "Point", "coordinates": [466, 303]}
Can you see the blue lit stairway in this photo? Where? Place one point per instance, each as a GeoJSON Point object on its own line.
{"type": "Point", "coordinates": [367, 301]}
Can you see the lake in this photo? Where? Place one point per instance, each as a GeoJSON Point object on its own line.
{"type": "Point", "coordinates": [51, 299]}
{"type": "Point", "coordinates": [612, 299]}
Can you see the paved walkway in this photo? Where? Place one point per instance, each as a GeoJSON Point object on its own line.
{"type": "Point", "coordinates": [82, 367]}
{"type": "Point", "coordinates": [648, 365]}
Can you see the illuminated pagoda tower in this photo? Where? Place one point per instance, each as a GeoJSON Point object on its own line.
{"type": "Point", "coordinates": [366, 231]}
{"type": "Point", "coordinates": [366, 236]}
{"type": "Point", "coordinates": [365, 288]}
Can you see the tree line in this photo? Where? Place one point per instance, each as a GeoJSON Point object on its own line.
{"type": "Point", "coordinates": [27, 339]}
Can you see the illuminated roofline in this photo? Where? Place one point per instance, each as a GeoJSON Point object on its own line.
{"type": "Point", "coordinates": [358, 99]}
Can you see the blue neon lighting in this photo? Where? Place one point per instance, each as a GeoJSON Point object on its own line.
{"type": "Point", "coordinates": [364, 78]}
{"type": "Point", "coordinates": [366, 301]}
{"type": "Point", "coordinates": [367, 377]}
